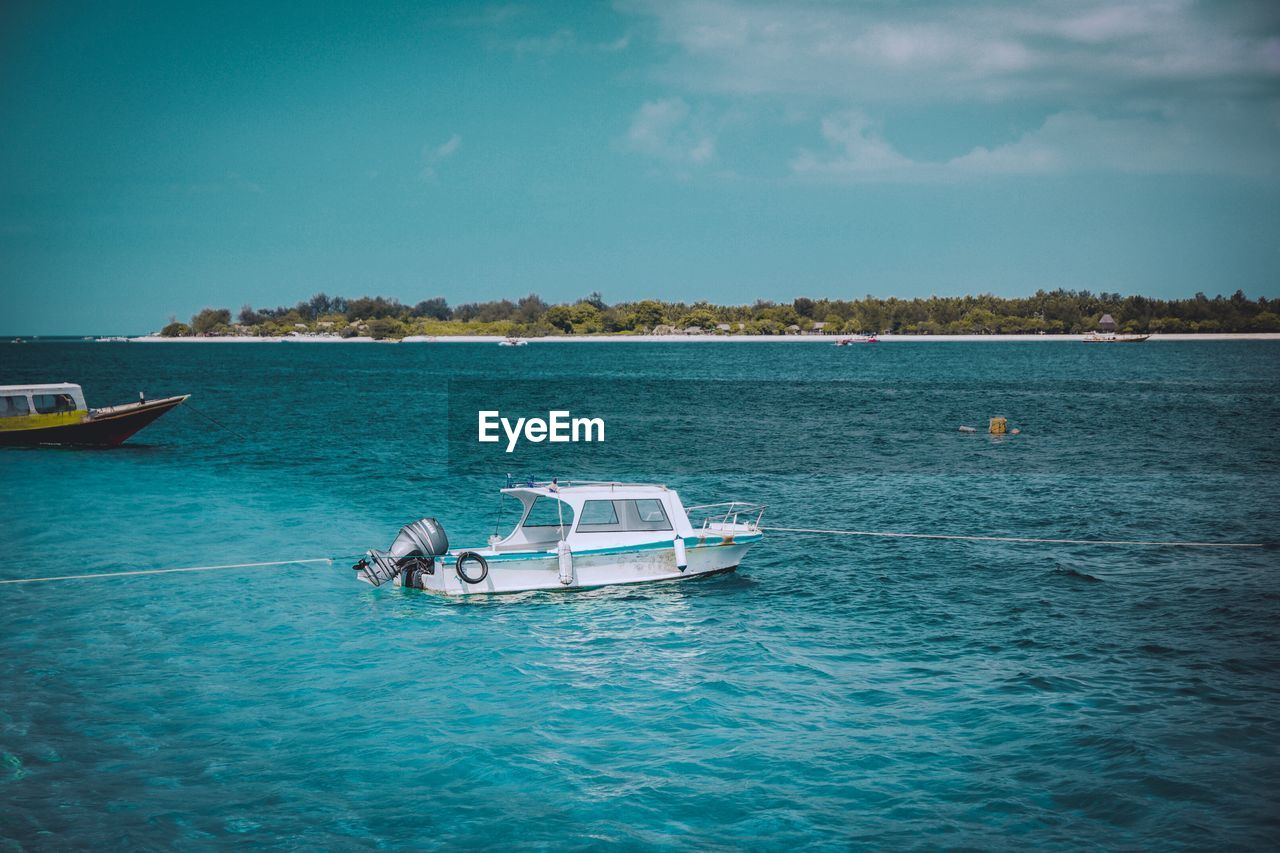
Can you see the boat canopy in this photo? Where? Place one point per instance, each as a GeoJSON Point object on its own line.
{"type": "Point", "coordinates": [18, 400]}
{"type": "Point", "coordinates": [581, 490]}
{"type": "Point", "coordinates": [581, 512]}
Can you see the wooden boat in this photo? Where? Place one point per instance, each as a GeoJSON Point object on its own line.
{"type": "Point", "coordinates": [56, 414]}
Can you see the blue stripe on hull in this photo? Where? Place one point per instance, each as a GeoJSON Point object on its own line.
{"type": "Point", "coordinates": [691, 542]}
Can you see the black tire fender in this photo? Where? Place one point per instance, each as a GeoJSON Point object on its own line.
{"type": "Point", "coordinates": [471, 556]}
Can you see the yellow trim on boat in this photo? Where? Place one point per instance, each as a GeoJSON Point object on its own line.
{"type": "Point", "coordinates": [39, 421]}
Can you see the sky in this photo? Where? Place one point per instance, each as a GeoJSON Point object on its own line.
{"type": "Point", "coordinates": [157, 158]}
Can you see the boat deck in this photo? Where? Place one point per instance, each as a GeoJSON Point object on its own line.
{"type": "Point", "coordinates": [130, 408]}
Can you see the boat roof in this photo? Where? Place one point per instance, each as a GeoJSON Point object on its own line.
{"type": "Point", "coordinates": [590, 489]}
{"type": "Point", "coordinates": [55, 388]}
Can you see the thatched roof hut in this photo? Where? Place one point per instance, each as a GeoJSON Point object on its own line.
{"type": "Point", "coordinates": [1106, 324]}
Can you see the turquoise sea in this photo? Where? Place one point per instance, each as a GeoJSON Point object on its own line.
{"type": "Point", "coordinates": [833, 693]}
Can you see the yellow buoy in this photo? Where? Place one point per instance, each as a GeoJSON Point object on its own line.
{"type": "Point", "coordinates": [998, 426]}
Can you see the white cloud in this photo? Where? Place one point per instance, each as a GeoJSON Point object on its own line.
{"type": "Point", "coordinates": [239, 181]}
{"type": "Point", "coordinates": [433, 156]}
{"type": "Point", "coordinates": [1093, 67]}
{"type": "Point", "coordinates": [490, 16]}
{"type": "Point", "coordinates": [548, 45]}
{"type": "Point", "coordinates": [1218, 140]}
{"type": "Point", "coordinates": [447, 148]}
{"type": "Point", "coordinates": [565, 40]}
{"type": "Point", "coordinates": [890, 51]}
{"type": "Point", "coordinates": [859, 150]}
{"type": "Point", "coordinates": [666, 129]}
{"type": "Point", "coordinates": [617, 45]}
{"type": "Point", "coordinates": [1067, 142]}
{"type": "Point", "coordinates": [1111, 22]}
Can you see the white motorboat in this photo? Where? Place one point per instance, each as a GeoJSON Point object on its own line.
{"type": "Point", "coordinates": [513, 342]}
{"type": "Point", "coordinates": [857, 339]}
{"type": "Point", "coordinates": [574, 536]}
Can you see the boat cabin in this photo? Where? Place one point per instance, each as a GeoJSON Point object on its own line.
{"type": "Point", "coordinates": [22, 400]}
{"type": "Point", "coordinates": [593, 515]}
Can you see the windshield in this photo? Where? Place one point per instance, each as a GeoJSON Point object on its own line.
{"type": "Point", "coordinates": [549, 512]}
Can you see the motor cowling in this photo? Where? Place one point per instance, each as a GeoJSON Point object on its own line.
{"type": "Point", "coordinates": [413, 552]}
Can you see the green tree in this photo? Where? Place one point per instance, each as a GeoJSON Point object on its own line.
{"type": "Point", "coordinates": [1058, 311]}
{"type": "Point", "coordinates": [702, 318]}
{"type": "Point", "coordinates": [1267, 321]}
{"type": "Point", "coordinates": [648, 314]}
{"type": "Point", "coordinates": [560, 317]}
{"type": "Point", "coordinates": [381, 328]}
{"type": "Point", "coordinates": [436, 308]}
{"type": "Point", "coordinates": [587, 318]}
{"type": "Point", "coordinates": [530, 308]}
{"type": "Point", "coordinates": [209, 319]}
{"type": "Point", "coordinates": [366, 308]}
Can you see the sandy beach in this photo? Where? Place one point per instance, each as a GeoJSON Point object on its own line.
{"type": "Point", "coordinates": [694, 339]}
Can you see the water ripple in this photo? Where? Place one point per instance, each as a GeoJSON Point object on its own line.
{"type": "Point", "coordinates": [833, 693]}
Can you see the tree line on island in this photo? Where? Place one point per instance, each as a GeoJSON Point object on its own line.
{"type": "Point", "coordinates": [1055, 312]}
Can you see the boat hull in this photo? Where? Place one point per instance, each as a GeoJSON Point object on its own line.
{"type": "Point", "coordinates": [1127, 339]}
{"type": "Point", "coordinates": [608, 567]}
{"type": "Point", "coordinates": [107, 429]}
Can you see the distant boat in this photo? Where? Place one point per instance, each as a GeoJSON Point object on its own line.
{"type": "Point", "coordinates": [1106, 334]}
{"type": "Point", "coordinates": [113, 339]}
{"type": "Point", "coordinates": [857, 339]}
{"type": "Point", "coordinates": [513, 342]}
{"type": "Point", "coordinates": [1113, 338]}
{"type": "Point", "coordinates": [33, 415]}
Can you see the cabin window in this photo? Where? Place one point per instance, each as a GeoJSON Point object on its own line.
{"type": "Point", "coordinates": [600, 517]}
{"type": "Point", "coordinates": [548, 512]}
{"type": "Point", "coordinates": [48, 404]}
{"type": "Point", "coordinates": [625, 516]}
{"type": "Point", "coordinates": [651, 512]}
{"type": "Point", "coordinates": [12, 407]}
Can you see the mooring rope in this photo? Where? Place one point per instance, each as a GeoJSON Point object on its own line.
{"type": "Point", "coordinates": [216, 422]}
{"type": "Point", "coordinates": [1135, 542]}
{"type": "Point", "coordinates": [814, 530]}
{"type": "Point", "coordinates": [168, 571]}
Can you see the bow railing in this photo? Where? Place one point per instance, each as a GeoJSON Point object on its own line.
{"type": "Point", "coordinates": [733, 515]}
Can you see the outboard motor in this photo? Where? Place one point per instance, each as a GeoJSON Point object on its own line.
{"type": "Point", "coordinates": [413, 552]}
